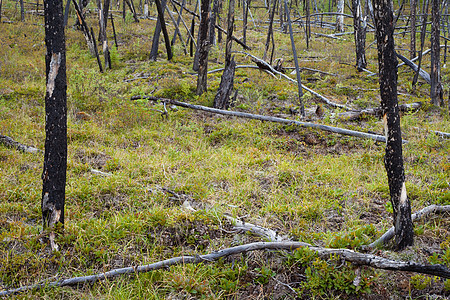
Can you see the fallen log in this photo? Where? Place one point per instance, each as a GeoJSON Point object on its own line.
{"type": "Point", "coordinates": [344, 254]}
{"type": "Point", "coordinates": [423, 213]}
{"type": "Point", "coordinates": [375, 137]}
{"type": "Point", "coordinates": [355, 115]}
{"type": "Point", "coordinates": [9, 142]}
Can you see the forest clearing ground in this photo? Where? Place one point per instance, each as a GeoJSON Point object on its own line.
{"type": "Point", "coordinates": [315, 187]}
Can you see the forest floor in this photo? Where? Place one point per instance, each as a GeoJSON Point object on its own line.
{"type": "Point", "coordinates": [312, 186]}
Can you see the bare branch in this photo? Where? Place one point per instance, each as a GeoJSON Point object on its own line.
{"type": "Point", "coordinates": [345, 254]}
{"type": "Point", "coordinates": [376, 137]}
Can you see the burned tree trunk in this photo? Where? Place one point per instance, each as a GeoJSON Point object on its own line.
{"type": "Point", "coordinates": [85, 29]}
{"type": "Point", "coordinates": [55, 155]}
{"type": "Point", "coordinates": [212, 23]}
{"type": "Point", "coordinates": [246, 7]}
{"type": "Point", "coordinates": [270, 30]}
{"type": "Point", "coordinates": [340, 16]}
{"type": "Point", "coordinates": [22, 11]}
{"type": "Point", "coordinates": [387, 61]}
{"type": "Point", "coordinates": [203, 48]}
{"type": "Point", "coordinates": [422, 40]}
{"type": "Point", "coordinates": [437, 97]}
{"type": "Point", "coordinates": [177, 29]}
{"type": "Point", "coordinates": [222, 99]}
{"type": "Point", "coordinates": [160, 9]}
{"type": "Point", "coordinates": [297, 69]}
{"type": "Point", "coordinates": [359, 25]}
{"type": "Point", "coordinates": [102, 19]}
{"type": "Point", "coordinates": [308, 23]}
{"type": "Point", "coordinates": [412, 17]}
{"type": "Point", "coordinates": [156, 34]}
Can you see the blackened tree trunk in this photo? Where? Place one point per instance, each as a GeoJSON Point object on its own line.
{"type": "Point", "coordinates": [294, 51]}
{"type": "Point", "coordinates": [55, 156]}
{"type": "Point", "coordinates": [270, 30]}
{"type": "Point", "coordinates": [160, 9]}
{"type": "Point", "coordinates": [387, 61]}
{"type": "Point", "coordinates": [156, 34]}
{"type": "Point", "coordinates": [102, 20]}
{"type": "Point", "coordinates": [246, 7]}
{"type": "Point", "coordinates": [340, 16]}
{"type": "Point", "coordinates": [359, 25]}
{"type": "Point", "coordinates": [412, 17]}
{"type": "Point", "coordinates": [229, 42]}
{"type": "Point", "coordinates": [222, 98]}
{"type": "Point", "coordinates": [203, 48]}
{"type": "Point", "coordinates": [212, 23]}
{"type": "Point", "coordinates": [437, 97]}
{"type": "Point", "coordinates": [422, 40]}
{"type": "Point", "coordinates": [1, 2]}
{"type": "Point", "coordinates": [308, 23]}
{"type": "Point", "coordinates": [177, 30]}
{"type": "Point", "coordinates": [22, 11]}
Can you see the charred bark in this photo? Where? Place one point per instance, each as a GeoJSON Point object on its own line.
{"type": "Point", "coordinates": [359, 25]}
{"type": "Point", "coordinates": [229, 42]}
{"type": "Point", "coordinates": [162, 22]}
{"type": "Point", "coordinates": [55, 155]}
{"type": "Point", "coordinates": [84, 28]}
{"type": "Point", "coordinates": [437, 97]}
{"type": "Point", "coordinates": [412, 17]}
{"type": "Point", "coordinates": [222, 99]}
{"type": "Point", "coordinates": [422, 40]}
{"type": "Point", "coordinates": [387, 61]}
{"type": "Point", "coordinates": [203, 48]}
{"type": "Point", "coordinates": [299, 83]}
{"type": "Point", "coordinates": [270, 30]}
{"type": "Point", "coordinates": [156, 34]}
{"type": "Point", "coordinates": [212, 22]}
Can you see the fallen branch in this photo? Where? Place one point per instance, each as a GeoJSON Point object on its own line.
{"type": "Point", "coordinates": [355, 115]}
{"type": "Point", "coordinates": [264, 65]}
{"type": "Point", "coordinates": [9, 142]}
{"type": "Point", "coordinates": [440, 133]}
{"type": "Point", "coordinates": [423, 213]}
{"type": "Point", "coordinates": [413, 66]}
{"type": "Point", "coordinates": [345, 254]}
{"type": "Point", "coordinates": [376, 137]}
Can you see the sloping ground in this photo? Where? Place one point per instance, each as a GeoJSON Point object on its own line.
{"type": "Point", "coordinates": [311, 186]}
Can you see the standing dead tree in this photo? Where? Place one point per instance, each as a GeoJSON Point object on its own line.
{"type": "Point", "coordinates": [340, 16]}
{"type": "Point", "coordinates": [162, 22]}
{"type": "Point", "coordinates": [412, 18]}
{"type": "Point", "coordinates": [359, 25]}
{"type": "Point", "coordinates": [270, 33]}
{"type": "Point", "coordinates": [222, 98]}
{"type": "Point", "coordinates": [437, 97]}
{"type": "Point", "coordinates": [422, 40]}
{"type": "Point", "coordinates": [387, 61]}
{"type": "Point", "coordinates": [203, 48]}
{"type": "Point", "coordinates": [297, 68]}
{"type": "Point", "coordinates": [55, 155]}
{"type": "Point", "coordinates": [156, 34]}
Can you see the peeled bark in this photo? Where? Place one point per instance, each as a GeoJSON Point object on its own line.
{"type": "Point", "coordinates": [437, 97]}
{"type": "Point", "coordinates": [387, 61]}
{"type": "Point", "coordinates": [55, 155]}
{"type": "Point", "coordinates": [203, 48]}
